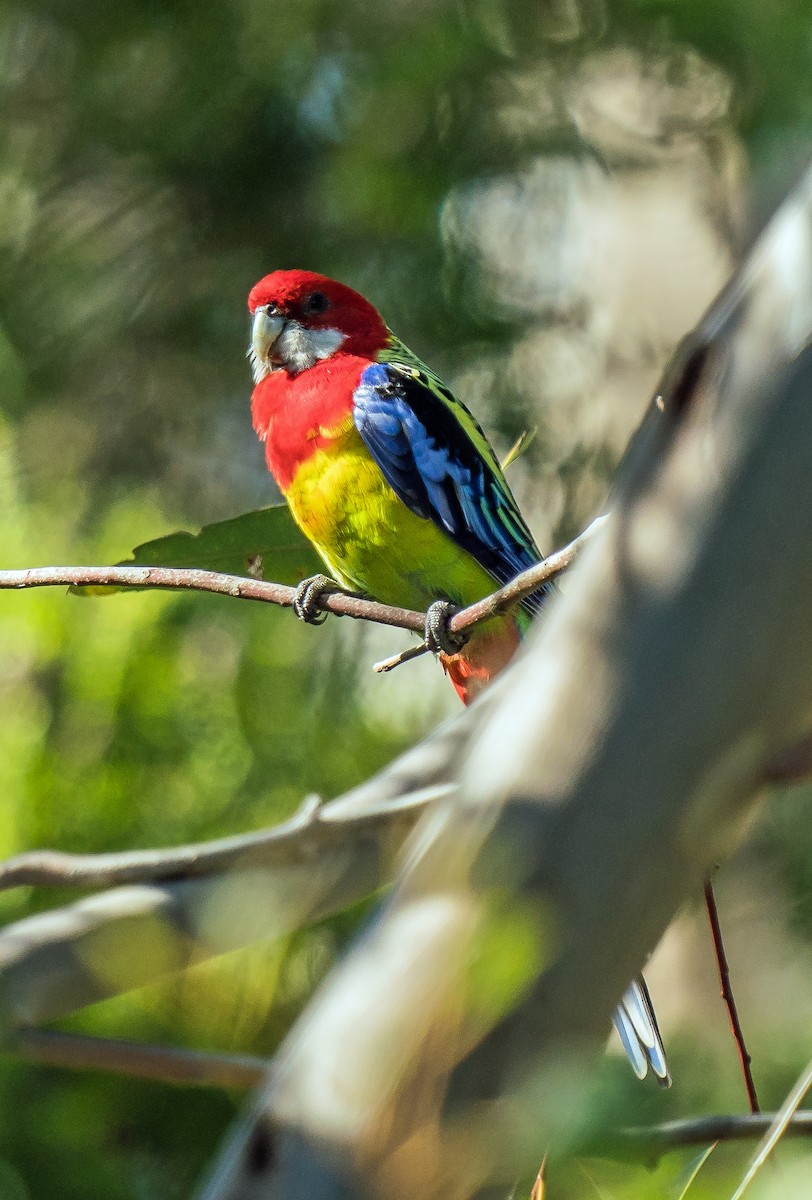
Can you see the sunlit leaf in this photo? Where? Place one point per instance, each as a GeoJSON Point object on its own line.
{"type": "Point", "coordinates": [265, 544]}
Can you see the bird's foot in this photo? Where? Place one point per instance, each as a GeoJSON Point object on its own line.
{"type": "Point", "coordinates": [438, 637]}
{"type": "Point", "coordinates": [308, 593]}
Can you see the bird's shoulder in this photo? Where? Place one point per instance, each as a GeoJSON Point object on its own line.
{"type": "Point", "coordinates": [435, 456]}
{"type": "Point", "coordinates": [398, 373]}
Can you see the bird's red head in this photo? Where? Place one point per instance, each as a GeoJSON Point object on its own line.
{"type": "Point", "coordinates": [300, 317]}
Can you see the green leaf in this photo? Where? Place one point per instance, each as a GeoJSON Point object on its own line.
{"type": "Point", "coordinates": [266, 544]}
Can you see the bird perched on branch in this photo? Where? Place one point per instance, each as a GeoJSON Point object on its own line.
{"type": "Point", "coordinates": [385, 470]}
{"type": "Point", "coordinates": [395, 484]}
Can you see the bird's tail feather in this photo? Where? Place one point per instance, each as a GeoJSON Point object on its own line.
{"type": "Point", "coordinates": [638, 1030]}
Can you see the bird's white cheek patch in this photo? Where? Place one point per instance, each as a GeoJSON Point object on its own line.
{"type": "Point", "coordinates": [299, 348]}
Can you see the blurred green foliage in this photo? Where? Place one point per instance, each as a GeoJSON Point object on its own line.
{"type": "Point", "coordinates": [155, 160]}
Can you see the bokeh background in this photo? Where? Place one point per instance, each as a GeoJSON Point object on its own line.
{"type": "Point", "coordinates": [541, 197]}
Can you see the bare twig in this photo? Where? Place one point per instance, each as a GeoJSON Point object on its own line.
{"type": "Point", "coordinates": [299, 839]}
{"type": "Point", "coordinates": [729, 999]}
{"type": "Point", "coordinates": [700, 1131]}
{"type": "Point", "coordinates": [397, 660]}
{"type": "Point", "coordinates": [193, 580]}
{"type": "Point", "coordinates": [240, 1072]}
{"type": "Point", "coordinates": [341, 604]}
{"type": "Point", "coordinates": [182, 906]}
{"type": "Point", "coordinates": [162, 1064]}
{"type": "Point", "coordinates": [525, 584]}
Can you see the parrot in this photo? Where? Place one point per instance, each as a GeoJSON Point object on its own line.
{"type": "Point", "coordinates": [393, 481]}
{"type": "Point", "coordinates": [385, 471]}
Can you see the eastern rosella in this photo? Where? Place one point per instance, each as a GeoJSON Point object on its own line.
{"type": "Point", "coordinates": [385, 470]}
{"type": "Point", "coordinates": [395, 484]}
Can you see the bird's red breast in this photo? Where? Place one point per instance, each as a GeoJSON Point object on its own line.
{"type": "Point", "coordinates": [297, 415]}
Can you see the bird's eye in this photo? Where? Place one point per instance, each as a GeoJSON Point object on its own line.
{"type": "Point", "coordinates": [316, 302]}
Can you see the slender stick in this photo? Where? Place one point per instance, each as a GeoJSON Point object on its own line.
{"type": "Point", "coordinates": [338, 602]}
{"type": "Point", "coordinates": [729, 999]}
{"type": "Point", "coordinates": [526, 583]}
{"type": "Point", "coordinates": [163, 1064]}
{"type": "Point", "coordinates": [300, 837]}
{"type": "Point", "coordinates": [205, 1068]}
{"type": "Point", "coordinates": [701, 1131]}
{"type": "Point", "coordinates": [397, 660]}
{"type": "Point", "coordinates": [191, 579]}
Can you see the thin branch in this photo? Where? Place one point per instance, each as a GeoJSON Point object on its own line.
{"type": "Point", "coordinates": [397, 660]}
{"type": "Point", "coordinates": [162, 1064]}
{"type": "Point", "coordinates": [341, 604]}
{"type": "Point", "coordinates": [700, 1131]}
{"type": "Point", "coordinates": [526, 583]}
{"type": "Point", "coordinates": [295, 840]}
{"type": "Point", "coordinates": [194, 580]}
{"type": "Point", "coordinates": [729, 999]}
{"type": "Point", "coordinates": [241, 1072]}
{"type": "Point", "coordinates": [183, 906]}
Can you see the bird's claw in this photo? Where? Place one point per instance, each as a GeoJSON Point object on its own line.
{"type": "Point", "coordinates": [438, 637]}
{"type": "Point", "coordinates": [308, 593]}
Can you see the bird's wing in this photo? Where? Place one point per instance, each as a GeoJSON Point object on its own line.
{"type": "Point", "coordinates": [438, 461]}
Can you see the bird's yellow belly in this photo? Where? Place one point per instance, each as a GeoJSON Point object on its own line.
{"type": "Point", "coordinates": [370, 540]}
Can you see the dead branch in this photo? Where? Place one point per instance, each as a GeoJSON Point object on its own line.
{"type": "Point", "coordinates": [198, 902]}
{"type": "Point", "coordinates": [241, 1072]}
{"type": "Point", "coordinates": [726, 992]}
{"type": "Point", "coordinates": [139, 1060]}
{"type": "Point", "coordinates": [617, 759]}
{"type": "Point", "coordinates": [657, 1140]}
{"type": "Point", "coordinates": [298, 840]}
{"type": "Point", "coordinates": [340, 603]}
{"type": "Point", "coordinates": [179, 906]}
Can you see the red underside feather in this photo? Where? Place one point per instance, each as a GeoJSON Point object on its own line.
{"type": "Point", "coordinates": [288, 411]}
{"type": "Point", "coordinates": [481, 659]}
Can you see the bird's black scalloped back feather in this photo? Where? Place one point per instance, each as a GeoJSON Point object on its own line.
{"type": "Point", "coordinates": [436, 458]}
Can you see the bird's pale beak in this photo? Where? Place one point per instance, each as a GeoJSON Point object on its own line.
{"type": "Point", "coordinates": [265, 333]}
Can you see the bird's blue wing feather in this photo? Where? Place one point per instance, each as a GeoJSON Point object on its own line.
{"type": "Point", "coordinates": [436, 458]}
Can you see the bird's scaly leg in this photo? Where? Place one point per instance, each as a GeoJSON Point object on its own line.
{"type": "Point", "coordinates": [308, 593]}
{"type": "Point", "coordinates": [438, 637]}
